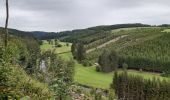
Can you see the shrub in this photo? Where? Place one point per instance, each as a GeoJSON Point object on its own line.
{"type": "Point", "coordinates": [98, 68]}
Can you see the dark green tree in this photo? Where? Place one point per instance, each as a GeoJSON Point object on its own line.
{"type": "Point", "coordinates": [81, 52]}
{"type": "Point", "coordinates": [74, 50]}
{"type": "Point", "coordinates": [114, 59]}
{"type": "Point", "coordinates": [104, 62]}
{"type": "Point", "coordinates": [108, 61]}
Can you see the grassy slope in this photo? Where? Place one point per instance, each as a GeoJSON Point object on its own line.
{"type": "Point", "coordinates": [88, 76]}
{"type": "Point", "coordinates": [134, 36]}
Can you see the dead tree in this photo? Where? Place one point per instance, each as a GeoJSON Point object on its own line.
{"type": "Point", "coordinates": [6, 23]}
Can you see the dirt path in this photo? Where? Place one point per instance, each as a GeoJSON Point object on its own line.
{"type": "Point", "coordinates": [104, 44]}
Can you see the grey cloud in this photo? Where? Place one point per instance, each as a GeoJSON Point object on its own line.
{"type": "Point", "coordinates": [58, 15]}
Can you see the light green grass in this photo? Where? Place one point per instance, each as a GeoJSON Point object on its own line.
{"type": "Point", "coordinates": [64, 48]}
{"type": "Point", "coordinates": [88, 75]}
{"type": "Point", "coordinates": [166, 30]}
{"type": "Point", "coordinates": [129, 29]}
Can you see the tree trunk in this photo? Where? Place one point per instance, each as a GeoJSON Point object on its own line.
{"type": "Point", "coordinates": [6, 23]}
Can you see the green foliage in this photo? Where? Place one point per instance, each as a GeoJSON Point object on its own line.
{"type": "Point", "coordinates": [98, 96]}
{"type": "Point", "coordinates": [74, 50]}
{"type": "Point", "coordinates": [31, 49]}
{"type": "Point", "coordinates": [19, 84]}
{"type": "Point", "coordinates": [125, 66]}
{"type": "Point", "coordinates": [136, 88]}
{"type": "Point", "coordinates": [57, 43]}
{"type": "Point", "coordinates": [104, 62]}
{"type": "Point", "coordinates": [14, 82]}
{"type": "Point", "coordinates": [150, 55]}
{"type": "Point", "coordinates": [111, 95]}
{"type": "Point", "coordinates": [67, 44]}
{"type": "Point", "coordinates": [86, 63]}
{"type": "Point", "coordinates": [58, 73]}
{"type": "Point", "coordinates": [98, 68]}
{"type": "Point", "coordinates": [108, 61]}
{"type": "Point", "coordinates": [78, 51]}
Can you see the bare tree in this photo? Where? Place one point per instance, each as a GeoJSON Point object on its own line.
{"type": "Point", "coordinates": [6, 23]}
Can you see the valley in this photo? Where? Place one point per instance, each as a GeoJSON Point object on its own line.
{"type": "Point", "coordinates": [98, 61]}
{"type": "Point", "coordinates": [84, 50]}
{"type": "Point", "coordinates": [87, 75]}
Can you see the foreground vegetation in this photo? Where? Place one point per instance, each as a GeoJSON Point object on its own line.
{"type": "Point", "coordinates": [16, 74]}
{"type": "Point", "coordinates": [25, 71]}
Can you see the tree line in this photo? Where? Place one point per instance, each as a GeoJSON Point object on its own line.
{"type": "Point", "coordinates": [130, 87]}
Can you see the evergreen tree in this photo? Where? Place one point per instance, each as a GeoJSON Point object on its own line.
{"type": "Point", "coordinates": [74, 50]}
{"type": "Point", "coordinates": [80, 52]}
{"type": "Point", "coordinates": [114, 59]}
{"type": "Point", "coordinates": [104, 61]}
{"type": "Point", "coordinates": [136, 88]}
{"type": "Point", "coordinates": [108, 61]}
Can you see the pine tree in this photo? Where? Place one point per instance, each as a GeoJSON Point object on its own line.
{"type": "Point", "coordinates": [80, 52]}
{"type": "Point", "coordinates": [114, 60]}
{"type": "Point", "coordinates": [74, 50]}
{"type": "Point", "coordinates": [108, 61]}
{"type": "Point", "coordinates": [104, 61]}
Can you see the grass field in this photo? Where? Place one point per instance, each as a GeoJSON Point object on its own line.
{"type": "Point", "coordinates": [62, 49]}
{"type": "Point", "coordinates": [88, 75]}
{"type": "Point", "coordinates": [167, 30]}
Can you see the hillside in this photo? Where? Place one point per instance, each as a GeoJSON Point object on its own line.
{"type": "Point", "coordinates": [143, 48]}
{"type": "Point", "coordinates": [80, 35]}
{"type": "Point", "coordinates": [36, 34]}
{"type": "Point", "coordinates": [138, 46]}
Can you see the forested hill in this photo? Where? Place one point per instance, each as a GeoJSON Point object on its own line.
{"type": "Point", "coordinates": [80, 35]}
{"type": "Point", "coordinates": [70, 35]}
{"type": "Point", "coordinates": [36, 34]}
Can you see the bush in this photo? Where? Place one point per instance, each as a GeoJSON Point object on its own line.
{"type": "Point", "coordinates": [19, 84]}
{"type": "Point", "coordinates": [59, 45]}
{"type": "Point", "coordinates": [125, 66]}
{"type": "Point", "coordinates": [165, 74]}
{"type": "Point", "coordinates": [98, 68]}
{"type": "Point", "coordinates": [85, 63]}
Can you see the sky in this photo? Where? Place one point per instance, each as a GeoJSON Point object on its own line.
{"type": "Point", "coordinates": [61, 15]}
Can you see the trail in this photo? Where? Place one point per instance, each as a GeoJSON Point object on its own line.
{"type": "Point", "coordinates": [104, 44]}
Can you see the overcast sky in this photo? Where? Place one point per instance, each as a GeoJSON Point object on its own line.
{"type": "Point", "coordinates": [59, 15]}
